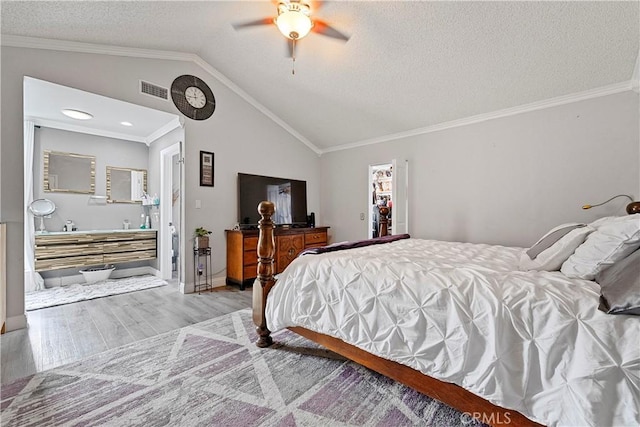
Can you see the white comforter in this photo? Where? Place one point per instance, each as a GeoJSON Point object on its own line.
{"type": "Point", "coordinates": [534, 341]}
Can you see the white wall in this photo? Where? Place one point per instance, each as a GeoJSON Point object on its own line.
{"type": "Point", "coordinates": [242, 138]}
{"type": "Point", "coordinates": [88, 214]}
{"type": "Point", "coordinates": [503, 181]}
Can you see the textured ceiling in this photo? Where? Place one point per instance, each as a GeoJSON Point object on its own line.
{"type": "Point", "coordinates": [408, 64]}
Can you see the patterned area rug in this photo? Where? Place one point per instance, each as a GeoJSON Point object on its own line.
{"type": "Point", "coordinates": [212, 374]}
{"type": "Point", "coordinates": [80, 292]}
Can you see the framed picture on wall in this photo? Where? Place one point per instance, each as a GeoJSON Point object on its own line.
{"type": "Point", "coordinates": [206, 169]}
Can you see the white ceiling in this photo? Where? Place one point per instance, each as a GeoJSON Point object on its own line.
{"type": "Point", "coordinates": [408, 65]}
{"type": "Point", "coordinates": [44, 102]}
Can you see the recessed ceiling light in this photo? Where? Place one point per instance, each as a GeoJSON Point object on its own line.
{"type": "Point", "coordinates": [77, 114]}
{"type": "Point", "coordinates": [126, 124]}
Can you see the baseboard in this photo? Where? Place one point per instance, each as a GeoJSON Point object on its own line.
{"type": "Point", "coordinates": [216, 282]}
{"type": "Point", "coordinates": [16, 322]}
{"type": "Point", "coordinates": [53, 282]}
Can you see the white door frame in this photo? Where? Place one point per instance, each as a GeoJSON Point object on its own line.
{"type": "Point", "coordinates": [400, 215]}
{"type": "Point", "coordinates": [166, 191]}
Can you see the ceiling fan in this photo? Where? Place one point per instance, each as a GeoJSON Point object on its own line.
{"type": "Point", "coordinates": [294, 22]}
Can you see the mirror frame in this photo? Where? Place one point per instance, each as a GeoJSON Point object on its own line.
{"type": "Point", "coordinates": [45, 173]}
{"type": "Point", "coordinates": [39, 214]}
{"type": "Point", "coordinates": [144, 184]}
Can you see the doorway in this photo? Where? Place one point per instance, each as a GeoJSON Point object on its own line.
{"type": "Point", "coordinates": [47, 129]}
{"type": "Point", "coordinates": [388, 186]}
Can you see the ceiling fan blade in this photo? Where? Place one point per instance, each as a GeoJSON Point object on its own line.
{"type": "Point", "coordinates": [257, 22]}
{"type": "Point", "coordinates": [325, 29]}
{"type": "Point", "coordinates": [315, 4]}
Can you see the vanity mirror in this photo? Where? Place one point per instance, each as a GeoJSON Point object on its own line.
{"type": "Point", "coordinates": [69, 173]}
{"type": "Point", "coordinates": [41, 208]}
{"type": "Point", "coordinates": [125, 185]}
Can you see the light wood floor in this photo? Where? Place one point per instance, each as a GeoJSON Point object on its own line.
{"type": "Point", "coordinates": [66, 333]}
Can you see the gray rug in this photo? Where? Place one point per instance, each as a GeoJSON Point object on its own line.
{"type": "Point", "coordinates": [60, 295]}
{"type": "Point", "coordinates": [212, 374]}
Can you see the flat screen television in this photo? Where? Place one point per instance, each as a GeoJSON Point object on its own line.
{"type": "Point", "coordinates": [288, 195]}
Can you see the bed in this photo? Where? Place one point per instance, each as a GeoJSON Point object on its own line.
{"type": "Point", "coordinates": [460, 323]}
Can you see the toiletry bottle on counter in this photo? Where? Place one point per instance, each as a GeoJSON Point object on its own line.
{"type": "Point", "coordinates": [125, 224]}
{"type": "Point", "coordinates": [147, 222]}
{"type": "Point", "coordinates": [142, 221]}
{"type": "Point", "coordinates": [69, 226]}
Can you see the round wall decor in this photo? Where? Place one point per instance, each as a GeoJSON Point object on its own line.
{"type": "Point", "coordinates": [193, 97]}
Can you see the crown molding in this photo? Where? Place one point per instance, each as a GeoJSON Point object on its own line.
{"type": "Point", "coordinates": [68, 46]}
{"type": "Point", "coordinates": [258, 106]}
{"type": "Point", "coordinates": [148, 140]}
{"type": "Point", "coordinates": [173, 124]}
{"type": "Point", "coordinates": [526, 108]}
{"type": "Point", "coordinates": [83, 129]}
{"type": "Point", "coordinates": [80, 47]}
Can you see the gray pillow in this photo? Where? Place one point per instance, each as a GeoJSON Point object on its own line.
{"type": "Point", "coordinates": [620, 286]}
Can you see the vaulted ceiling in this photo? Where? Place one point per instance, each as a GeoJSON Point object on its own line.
{"type": "Point", "coordinates": [407, 66]}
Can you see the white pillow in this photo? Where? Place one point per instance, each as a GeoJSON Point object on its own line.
{"type": "Point", "coordinates": [604, 220]}
{"type": "Point", "coordinates": [551, 258]}
{"type": "Point", "coordinates": [614, 239]}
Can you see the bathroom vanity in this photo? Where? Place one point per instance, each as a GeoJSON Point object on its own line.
{"type": "Point", "coordinates": [74, 249]}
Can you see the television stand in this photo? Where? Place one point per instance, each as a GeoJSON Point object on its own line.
{"type": "Point", "coordinates": [242, 250]}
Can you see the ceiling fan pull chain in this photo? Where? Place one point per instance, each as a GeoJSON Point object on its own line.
{"type": "Point", "coordinates": [293, 56]}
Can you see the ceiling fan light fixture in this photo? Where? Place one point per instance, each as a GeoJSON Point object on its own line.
{"type": "Point", "coordinates": [293, 20]}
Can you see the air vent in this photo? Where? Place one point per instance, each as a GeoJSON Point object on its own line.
{"type": "Point", "coordinates": [154, 90]}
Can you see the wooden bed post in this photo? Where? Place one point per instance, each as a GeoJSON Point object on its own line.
{"type": "Point", "coordinates": [383, 229]}
{"type": "Point", "coordinates": [265, 273]}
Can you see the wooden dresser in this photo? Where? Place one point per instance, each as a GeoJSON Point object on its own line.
{"type": "Point", "coordinates": [242, 246]}
{"type": "Point", "coordinates": [58, 250]}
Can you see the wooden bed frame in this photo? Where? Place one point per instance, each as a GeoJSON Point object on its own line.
{"type": "Point", "coordinates": [448, 393]}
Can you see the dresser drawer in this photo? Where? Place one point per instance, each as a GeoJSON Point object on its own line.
{"type": "Point", "coordinates": [140, 245]}
{"type": "Point", "coordinates": [68, 262]}
{"type": "Point", "coordinates": [287, 248]}
{"type": "Point", "coordinates": [129, 256]}
{"type": "Point", "coordinates": [249, 258]}
{"type": "Point", "coordinates": [250, 271]}
{"type": "Point", "coordinates": [315, 239]}
{"type": "Point", "coordinates": [60, 251]}
{"type": "Point", "coordinates": [250, 244]}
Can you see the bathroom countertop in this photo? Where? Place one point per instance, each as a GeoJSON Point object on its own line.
{"type": "Point", "coordinates": [131, 230]}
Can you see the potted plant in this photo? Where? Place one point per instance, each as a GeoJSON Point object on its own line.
{"type": "Point", "coordinates": [201, 240]}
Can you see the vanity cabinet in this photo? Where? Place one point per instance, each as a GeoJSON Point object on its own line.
{"type": "Point", "coordinates": [59, 250]}
{"type": "Point", "coordinates": [242, 250]}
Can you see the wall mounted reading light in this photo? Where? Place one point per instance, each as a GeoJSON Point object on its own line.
{"type": "Point", "coordinates": [632, 208]}
{"type": "Point", "coordinates": [77, 114]}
